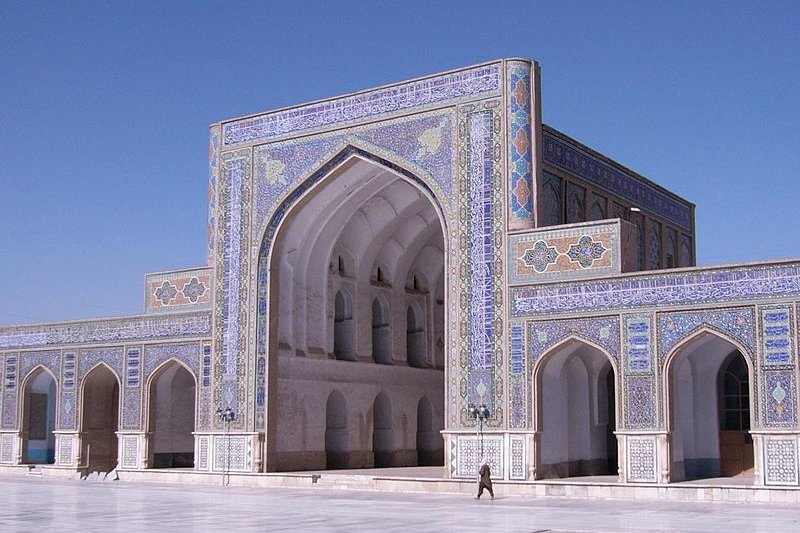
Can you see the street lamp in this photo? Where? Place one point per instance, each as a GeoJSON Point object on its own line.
{"type": "Point", "coordinates": [480, 414]}
{"type": "Point", "coordinates": [226, 416]}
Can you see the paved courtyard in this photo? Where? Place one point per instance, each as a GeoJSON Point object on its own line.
{"type": "Point", "coordinates": [39, 505]}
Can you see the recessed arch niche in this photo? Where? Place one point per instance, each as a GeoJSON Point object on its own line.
{"type": "Point", "coordinates": [332, 317]}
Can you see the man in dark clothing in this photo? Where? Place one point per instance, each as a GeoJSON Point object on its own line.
{"type": "Point", "coordinates": [485, 481]}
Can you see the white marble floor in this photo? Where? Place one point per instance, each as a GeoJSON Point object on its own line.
{"type": "Point", "coordinates": [40, 505]}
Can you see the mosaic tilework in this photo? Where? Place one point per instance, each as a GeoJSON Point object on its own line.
{"type": "Point", "coordinates": [132, 409]}
{"type": "Point", "coordinates": [7, 448]}
{"type": "Point", "coordinates": [518, 378]}
{"type": "Point", "coordinates": [213, 162]}
{"type": "Point", "coordinates": [779, 398]}
{"type": "Point", "coordinates": [10, 391]}
{"type": "Point", "coordinates": [261, 392]}
{"type": "Point", "coordinates": [777, 334]}
{"type": "Point", "coordinates": [132, 395]}
{"type": "Point", "coordinates": [232, 453]}
{"type": "Point", "coordinates": [518, 467]}
{"type": "Point", "coordinates": [641, 457]}
{"type": "Point", "coordinates": [205, 391]}
{"type": "Point", "coordinates": [707, 286]}
{"type": "Point", "coordinates": [640, 402]}
{"type": "Point", "coordinates": [737, 324]}
{"type": "Point", "coordinates": [480, 172]}
{"type": "Point", "coordinates": [544, 336]}
{"type": "Point", "coordinates": [2, 384]}
{"type": "Point", "coordinates": [89, 358]}
{"type": "Point", "coordinates": [638, 339]}
{"type": "Point", "coordinates": [572, 158]}
{"type": "Point", "coordinates": [65, 449]}
{"type": "Point", "coordinates": [423, 142]}
{"type": "Point", "coordinates": [417, 95]}
{"type": "Point", "coordinates": [202, 452]}
{"type": "Point", "coordinates": [69, 376]}
{"type": "Point", "coordinates": [133, 367]}
{"type": "Point", "coordinates": [104, 331]}
{"type": "Point", "coordinates": [521, 187]}
{"type": "Point", "coordinates": [156, 355]}
{"type": "Point", "coordinates": [570, 252]}
{"type": "Point", "coordinates": [781, 461]}
{"type": "Point", "coordinates": [468, 460]}
{"type": "Point", "coordinates": [130, 451]}
{"type": "Point", "coordinates": [49, 359]}
{"type": "Point", "coordinates": [179, 290]}
{"type": "Point", "coordinates": [233, 265]}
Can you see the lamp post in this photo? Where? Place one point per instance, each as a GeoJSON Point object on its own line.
{"type": "Point", "coordinates": [480, 414]}
{"type": "Point", "coordinates": [227, 416]}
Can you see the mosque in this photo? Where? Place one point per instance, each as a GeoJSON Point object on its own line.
{"type": "Point", "coordinates": [425, 274]}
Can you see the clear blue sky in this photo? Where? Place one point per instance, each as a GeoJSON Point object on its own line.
{"type": "Point", "coordinates": [105, 108]}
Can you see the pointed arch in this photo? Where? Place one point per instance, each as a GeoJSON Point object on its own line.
{"type": "Point", "coordinates": [346, 203]}
{"type": "Point", "coordinates": [336, 444]}
{"type": "Point", "coordinates": [354, 148]}
{"type": "Point", "coordinates": [430, 445]}
{"type": "Point", "coordinates": [343, 326]}
{"type": "Point", "coordinates": [560, 344]}
{"type": "Point", "coordinates": [38, 415]}
{"type": "Point", "coordinates": [171, 400]}
{"type": "Point", "coordinates": [575, 387]}
{"type": "Point", "coordinates": [381, 331]}
{"type": "Point", "coordinates": [694, 335]}
{"type": "Point", "coordinates": [690, 374]}
{"type": "Point", "coordinates": [94, 368]}
{"type": "Point", "coordinates": [100, 398]}
{"type": "Point", "coordinates": [416, 345]}
{"type": "Point", "coordinates": [383, 446]}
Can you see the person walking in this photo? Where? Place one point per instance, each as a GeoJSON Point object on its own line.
{"type": "Point", "coordinates": [485, 481]}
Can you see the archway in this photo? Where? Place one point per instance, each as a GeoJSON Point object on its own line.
{"type": "Point", "coordinates": [430, 445]}
{"type": "Point", "coordinates": [336, 446]}
{"type": "Point", "coordinates": [382, 432]}
{"type": "Point", "coordinates": [172, 394]}
{"type": "Point", "coordinates": [343, 327]}
{"type": "Point", "coordinates": [576, 412]}
{"type": "Point", "coordinates": [333, 272]}
{"type": "Point", "coordinates": [381, 333]}
{"type": "Point", "coordinates": [39, 418]}
{"type": "Point", "coordinates": [709, 384]}
{"type": "Point", "coordinates": [415, 337]}
{"type": "Point", "coordinates": [100, 419]}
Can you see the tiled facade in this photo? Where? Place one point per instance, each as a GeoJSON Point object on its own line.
{"type": "Point", "coordinates": [523, 288]}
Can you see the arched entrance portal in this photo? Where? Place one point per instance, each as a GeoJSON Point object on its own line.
{"type": "Point", "coordinates": [100, 419]}
{"type": "Point", "coordinates": [576, 412]}
{"type": "Point", "coordinates": [171, 417]}
{"type": "Point", "coordinates": [356, 295]}
{"type": "Point", "coordinates": [709, 409]}
{"type": "Point", "coordinates": [39, 418]}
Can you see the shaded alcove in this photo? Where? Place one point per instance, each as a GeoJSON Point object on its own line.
{"type": "Point", "coordinates": [343, 327]}
{"type": "Point", "coordinates": [415, 337]}
{"type": "Point", "coordinates": [382, 432]}
{"type": "Point", "coordinates": [39, 418]}
{"type": "Point", "coordinates": [381, 333]}
{"type": "Point", "coordinates": [709, 422]}
{"type": "Point", "coordinates": [172, 394]}
{"type": "Point", "coordinates": [100, 419]}
{"type": "Point", "coordinates": [430, 445]}
{"type": "Point", "coordinates": [336, 445]}
{"type": "Point", "coordinates": [576, 412]}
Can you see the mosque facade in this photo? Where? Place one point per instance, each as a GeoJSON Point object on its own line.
{"type": "Point", "coordinates": [385, 265]}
